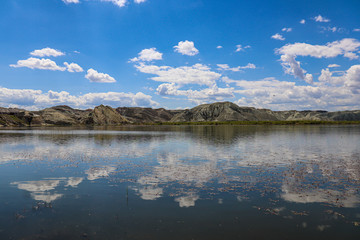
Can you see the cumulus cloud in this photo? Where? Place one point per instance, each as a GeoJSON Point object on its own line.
{"type": "Point", "coordinates": [356, 30]}
{"type": "Point", "coordinates": [211, 94]}
{"type": "Point", "coordinates": [186, 48]}
{"type": "Point", "coordinates": [139, 1]}
{"type": "Point", "coordinates": [330, 92]}
{"type": "Point", "coordinates": [73, 67]}
{"type": "Point", "coordinates": [320, 18]}
{"type": "Point", "coordinates": [147, 55]}
{"type": "Point", "coordinates": [292, 67]}
{"type": "Point", "coordinates": [302, 21]}
{"type": "Point", "coordinates": [350, 79]}
{"type": "Point", "coordinates": [225, 67]}
{"type": "Point", "coordinates": [36, 99]}
{"type": "Point", "coordinates": [119, 3]}
{"type": "Point", "coordinates": [333, 65]}
{"type": "Point", "coordinates": [197, 74]}
{"type": "Point", "coordinates": [219, 47]}
{"type": "Point", "coordinates": [47, 52]}
{"type": "Point", "coordinates": [36, 63]}
{"type": "Point", "coordinates": [95, 76]}
{"type": "Point", "coordinates": [278, 36]}
{"type": "Point", "coordinates": [286, 29]}
{"type": "Point", "coordinates": [346, 47]}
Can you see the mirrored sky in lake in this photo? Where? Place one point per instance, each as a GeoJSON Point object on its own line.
{"type": "Point", "coordinates": [181, 182]}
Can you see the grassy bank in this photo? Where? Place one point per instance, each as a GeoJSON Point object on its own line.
{"type": "Point", "coordinates": [299, 122]}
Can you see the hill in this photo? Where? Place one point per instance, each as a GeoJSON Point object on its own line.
{"type": "Point", "coordinates": [216, 112]}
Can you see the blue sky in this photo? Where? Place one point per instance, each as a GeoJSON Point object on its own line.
{"type": "Point", "coordinates": [177, 54]}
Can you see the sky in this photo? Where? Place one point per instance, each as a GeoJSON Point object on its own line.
{"type": "Point", "coordinates": [280, 54]}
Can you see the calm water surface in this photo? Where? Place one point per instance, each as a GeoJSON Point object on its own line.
{"type": "Point", "coordinates": [185, 182]}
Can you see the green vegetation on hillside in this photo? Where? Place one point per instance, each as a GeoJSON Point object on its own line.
{"type": "Point", "coordinates": [299, 122]}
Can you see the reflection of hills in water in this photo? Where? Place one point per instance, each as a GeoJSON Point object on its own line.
{"type": "Point", "coordinates": [193, 159]}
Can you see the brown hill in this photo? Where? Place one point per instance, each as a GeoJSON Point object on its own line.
{"type": "Point", "coordinates": [223, 111]}
{"type": "Point", "coordinates": [147, 115]}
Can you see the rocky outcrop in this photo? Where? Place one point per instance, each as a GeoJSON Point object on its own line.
{"type": "Point", "coordinates": [301, 115]}
{"type": "Point", "coordinates": [62, 115]}
{"type": "Point", "coordinates": [147, 115]}
{"type": "Point", "coordinates": [17, 117]}
{"type": "Point", "coordinates": [223, 111]}
{"type": "Point", "coordinates": [318, 115]}
{"type": "Point", "coordinates": [104, 115]}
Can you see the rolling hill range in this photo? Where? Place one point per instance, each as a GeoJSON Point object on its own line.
{"type": "Point", "coordinates": [215, 112]}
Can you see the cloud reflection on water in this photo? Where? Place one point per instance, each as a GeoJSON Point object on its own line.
{"type": "Point", "coordinates": [42, 190]}
{"type": "Point", "coordinates": [201, 156]}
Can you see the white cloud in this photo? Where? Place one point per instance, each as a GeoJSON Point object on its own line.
{"type": "Point", "coordinates": [36, 63]}
{"type": "Point", "coordinates": [219, 47]}
{"type": "Point", "coordinates": [333, 65]}
{"type": "Point", "coordinates": [71, 1]}
{"type": "Point", "coordinates": [225, 67]}
{"type": "Point", "coordinates": [286, 29]}
{"type": "Point", "coordinates": [278, 36]}
{"type": "Point", "coordinates": [47, 52]}
{"type": "Point", "coordinates": [36, 99]}
{"type": "Point", "coordinates": [119, 3]}
{"type": "Point", "coordinates": [356, 30]}
{"type": "Point", "coordinates": [210, 94]}
{"type": "Point", "coordinates": [73, 67]}
{"type": "Point", "coordinates": [332, 29]}
{"type": "Point", "coordinates": [302, 21]}
{"type": "Point", "coordinates": [350, 79]}
{"type": "Point", "coordinates": [346, 47]}
{"type": "Point", "coordinates": [292, 67]}
{"type": "Point", "coordinates": [95, 76]}
{"type": "Point", "coordinates": [186, 48]}
{"type": "Point", "coordinates": [238, 48]}
{"type": "Point", "coordinates": [197, 74]}
{"type": "Point", "coordinates": [330, 92]}
{"type": "Point", "coordinates": [320, 18]}
{"type": "Point", "coordinates": [139, 1]}
{"type": "Point", "coordinates": [149, 54]}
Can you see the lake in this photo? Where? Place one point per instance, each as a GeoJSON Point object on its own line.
{"type": "Point", "coordinates": [180, 182]}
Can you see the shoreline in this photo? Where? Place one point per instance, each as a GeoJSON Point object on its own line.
{"type": "Point", "coordinates": [204, 123]}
